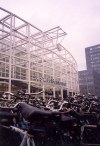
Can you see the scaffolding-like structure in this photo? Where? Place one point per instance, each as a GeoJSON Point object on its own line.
{"type": "Point", "coordinates": [33, 59]}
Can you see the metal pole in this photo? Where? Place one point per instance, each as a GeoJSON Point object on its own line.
{"type": "Point", "coordinates": [10, 59]}
{"type": "Point", "coordinates": [28, 33]}
{"type": "Point", "coordinates": [54, 95]}
{"type": "Point", "coordinates": [43, 92]}
{"type": "Point", "coordinates": [62, 93]}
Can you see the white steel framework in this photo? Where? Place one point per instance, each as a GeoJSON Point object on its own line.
{"type": "Point", "coordinates": [31, 58]}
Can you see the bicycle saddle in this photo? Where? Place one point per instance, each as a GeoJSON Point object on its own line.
{"type": "Point", "coordinates": [30, 112]}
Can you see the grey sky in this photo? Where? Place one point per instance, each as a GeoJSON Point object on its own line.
{"type": "Point", "coordinates": [80, 19]}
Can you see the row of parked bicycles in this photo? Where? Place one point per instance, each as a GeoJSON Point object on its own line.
{"type": "Point", "coordinates": [26, 120]}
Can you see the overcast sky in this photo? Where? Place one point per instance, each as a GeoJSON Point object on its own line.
{"type": "Point", "coordinates": [80, 19]}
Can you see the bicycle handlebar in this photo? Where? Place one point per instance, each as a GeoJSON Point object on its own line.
{"type": "Point", "coordinates": [10, 93]}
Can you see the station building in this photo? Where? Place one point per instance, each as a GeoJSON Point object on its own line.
{"type": "Point", "coordinates": [33, 60]}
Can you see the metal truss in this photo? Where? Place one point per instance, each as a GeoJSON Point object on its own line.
{"type": "Point", "coordinates": [32, 58]}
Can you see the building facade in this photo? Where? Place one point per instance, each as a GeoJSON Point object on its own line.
{"type": "Point", "coordinates": [93, 57]}
{"type": "Point", "coordinates": [89, 82]}
{"type": "Point", "coordinates": [33, 60]}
